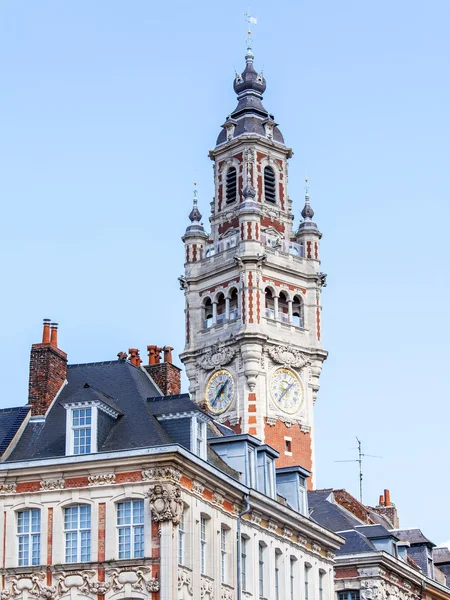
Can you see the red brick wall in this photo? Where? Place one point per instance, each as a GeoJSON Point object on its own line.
{"type": "Point", "coordinates": [48, 369]}
{"type": "Point", "coordinates": [300, 445]}
{"type": "Point", "coordinates": [166, 376]}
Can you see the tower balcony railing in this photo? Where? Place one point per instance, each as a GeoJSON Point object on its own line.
{"type": "Point", "coordinates": [222, 246]}
{"type": "Point", "coordinates": [283, 317]}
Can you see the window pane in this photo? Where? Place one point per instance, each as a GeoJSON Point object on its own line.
{"type": "Point", "coordinates": [124, 542]}
{"type": "Point", "coordinates": [124, 513]}
{"type": "Point", "coordinates": [71, 547]}
{"type": "Point", "coordinates": [138, 542]}
{"type": "Point", "coordinates": [138, 512]}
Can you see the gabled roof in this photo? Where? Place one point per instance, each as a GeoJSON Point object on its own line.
{"type": "Point", "coordinates": [90, 394]}
{"type": "Point", "coordinates": [10, 421]}
{"type": "Point", "coordinates": [374, 532]}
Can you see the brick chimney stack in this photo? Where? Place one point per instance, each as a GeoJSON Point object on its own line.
{"type": "Point", "coordinates": [48, 369]}
{"type": "Point", "coordinates": [388, 510]}
{"type": "Point", "coordinates": [166, 375]}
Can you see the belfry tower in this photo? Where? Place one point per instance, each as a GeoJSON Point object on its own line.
{"type": "Point", "coordinates": [253, 351]}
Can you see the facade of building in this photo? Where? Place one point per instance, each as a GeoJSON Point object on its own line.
{"type": "Point", "coordinates": [111, 490]}
{"type": "Point", "coordinates": [253, 352]}
{"type": "Point", "coordinates": [378, 560]}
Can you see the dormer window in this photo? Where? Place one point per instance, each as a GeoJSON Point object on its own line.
{"type": "Point", "coordinates": [198, 446]}
{"type": "Point", "coordinates": [81, 431]}
{"type": "Point", "coordinates": [90, 415]}
{"type": "Point", "coordinates": [231, 185]}
{"type": "Point", "coordinates": [270, 194]}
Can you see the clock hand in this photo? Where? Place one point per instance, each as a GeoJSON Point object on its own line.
{"type": "Point", "coordinates": [285, 391]}
{"type": "Point", "coordinates": [224, 387]}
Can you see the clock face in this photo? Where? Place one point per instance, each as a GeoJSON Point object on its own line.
{"type": "Point", "coordinates": [220, 391]}
{"type": "Point", "coordinates": [286, 390]}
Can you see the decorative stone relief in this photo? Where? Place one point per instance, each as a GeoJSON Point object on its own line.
{"type": "Point", "coordinates": [206, 589]}
{"type": "Point", "coordinates": [218, 356]}
{"type": "Point", "coordinates": [185, 579]}
{"type": "Point", "coordinates": [255, 517]}
{"type": "Point", "coordinates": [166, 503]}
{"type": "Point", "coordinates": [8, 488]}
{"type": "Point", "coordinates": [272, 525]}
{"type": "Point", "coordinates": [102, 479]}
{"type": "Point", "coordinates": [217, 498]}
{"type": "Point", "coordinates": [32, 584]}
{"type": "Point", "coordinates": [52, 484]}
{"type": "Point", "coordinates": [372, 589]}
{"type": "Point", "coordinates": [287, 532]}
{"type": "Point", "coordinates": [134, 576]}
{"type": "Point", "coordinates": [302, 540]}
{"type": "Point", "coordinates": [288, 356]}
{"type": "Point", "coordinates": [330, 554]}
{"type": "Point", "coordinates": [226, 593]}
{"type": "Point", "coordinates": [271, 421]}
{"type": "Point", "coordinates": [169, 473]}
{"type": "Point", "coordinates": [316, 548]}
{"type": "Point", "coordinates": [305, 428]}
{"type": "Point", "coordinates": [198, 487]}
{"type": "Point", "coordinates": [82, 580]}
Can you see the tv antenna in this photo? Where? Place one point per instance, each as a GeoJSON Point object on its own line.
{"type": "Point", "coordinates": [359, 460]}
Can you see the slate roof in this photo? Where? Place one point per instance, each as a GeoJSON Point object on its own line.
{"type": "Point", "coordinates": [374, 532]}
{"type": "Point", "coordinates": [441, 556]}
{"type": "Point", "coordinates": [324, 510]}
{"type": "Point", "coordinates": [10, 421]}
{"type": "Point", "coordinates": [413, 536]}
{"type": "Point", "coordinates": [163, 405]}
{"type": "Point", "coordinates": [120, 383]}
{"type": "Point", "coordinates": [355, 542]}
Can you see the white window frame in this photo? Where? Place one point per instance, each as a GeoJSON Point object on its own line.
{"type": "Point", "coordinates": [244, 564]}
{"type": "Point", "coordinates": [182, 539]}
{"type": "Point", "coordinates": [198, 425]}
{"type": "Point", "coordinates": [203, 543]}
{"type": "Point", "coordinates": [322, 575]}
{"type": "Point", "coordinates": [31, 537]}
{"type": "Point", "coordinates": [70, 439]}
{"type": "Point", "coordinates": [292, 562]}
{"type": "Point", "coordinates": [134, 528]}
{"type": "Point", "coordinates": [78, 531]}
{"type": "Point", "coordinates": [223, 554]}
{"type": "Point", "coordinates": [261, 569]}
{"type": "Point", "coordinates": [307, 582]}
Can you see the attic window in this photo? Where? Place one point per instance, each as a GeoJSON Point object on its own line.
{"type": "Point", "coordinates": [231, 185]}
{"type": "Point", "coordinates": [269, 185]}
{"type": "Point", "coordinates": [81, 430]}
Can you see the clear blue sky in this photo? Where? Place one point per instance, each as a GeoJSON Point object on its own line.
{"type": "Point", "coordinates": [107, 112]}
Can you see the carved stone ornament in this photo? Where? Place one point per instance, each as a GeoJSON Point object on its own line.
{"type": "Point", "coordinates": [166, 503]}
{"type": "Point", "coordinates": [32, 584]}
{"type": "Point", "coordinates": [185, 579]}
{"type": "Point", "coordinates": [103, 479]}
{"type": "Point", "coordinates": [82, 581]}
{"type": "Point", "coordinates": [288, 533]}
{"type": "Point", "coordinates": [8, 488]}
{"type": "Point", "coordinates": [197, 487]}
{"type": "Point", "coordinates": [226, 594]}
{"type": "Point", "coordinates": [372, 589]}
{"type": "Point", "coordinates": [136, 577]}
{"type": "Point", "coordinates": [217, 498]}
{"type": "Point", "coordinates": [288, 356]}
{"type": "Point", "coordinates": [159, 473]}
{"type": "Point", "coordinates": [206, 589]}
{"type": "Point", "coordinates": [52, 484]}
{"type": "Point", "coordinates": [218, 356]}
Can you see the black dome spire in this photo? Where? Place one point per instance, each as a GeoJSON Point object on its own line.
{"type": "Point", "coordinates": [249, 116]}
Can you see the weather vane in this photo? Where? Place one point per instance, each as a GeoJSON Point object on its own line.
{"type": "Point", "coordinates": [251, 21]}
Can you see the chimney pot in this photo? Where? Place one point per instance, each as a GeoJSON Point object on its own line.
{"type": "Point", "coordinates": [54, 334]}
{"type": "Point", "coordinates": [151, 354]}
{"type": "Point", "coordinates": [168, 353]}
{"type": "Point", "coordinates": [46, 332]}
{"type": "Point", "coordinates": [387, 498]}
{"type": "Point", "coordinates": [381, 500]}
{"type": "Point", "coordinates": [135, 359]}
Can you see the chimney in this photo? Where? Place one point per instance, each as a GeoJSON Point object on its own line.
{"type": "Point", "coordinates": [48, 370]}
{"type": "Point", "coordinates": [135, 359]}
{"type": "Point", "coordinates": [166, 375]}
{"type": "Point", "coordinates": [388, 510]}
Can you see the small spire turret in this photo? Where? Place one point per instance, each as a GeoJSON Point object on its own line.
{"type": "Point", "coordinates": [195, 236]}
{"type": "Point", "coordinates": [307, 213]}
{"type": "Point", "coordinates": [195, 216]}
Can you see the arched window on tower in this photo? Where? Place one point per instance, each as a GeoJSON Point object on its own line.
{"type": "Point", "coordinates": [297, 311]}
{"type": "Point", "coordinates": [231, 185]}
{"type": "Point", "coordinates": [221, 309]}
{"type": "Point", "coordinates": [233, 304]}
{"type": "Point", "coordinates": [283, 308]}
{"type": "Point", "coordinates": [270, 194]}
{"type": "Point", "coordinates": [208, 313]}
{"type": "Point", "coordinates": [270, 304]}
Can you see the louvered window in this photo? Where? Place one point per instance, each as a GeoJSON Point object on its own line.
{"type": "Point", "coordinates": [231, 185]}
{"type": "Point", "coordinates": [269, 185]}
